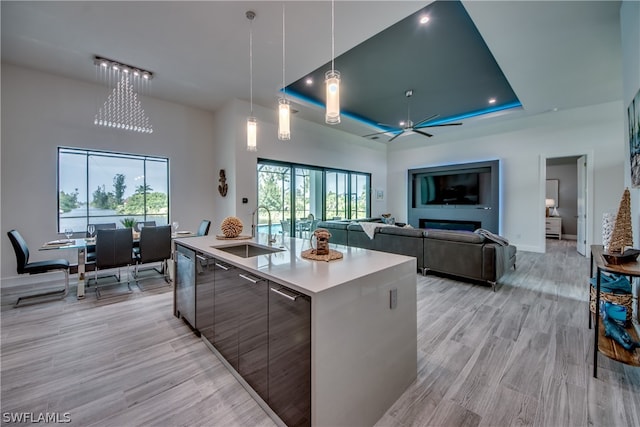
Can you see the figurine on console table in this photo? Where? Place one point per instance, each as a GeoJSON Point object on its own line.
{"type": "Point", "coordinates": [621, 246]}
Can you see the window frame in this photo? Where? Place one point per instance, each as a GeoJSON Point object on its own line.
{"type": "Point", "coordinates": [324, 170]}
{"type": "Point", "coordinates": [87, 153]}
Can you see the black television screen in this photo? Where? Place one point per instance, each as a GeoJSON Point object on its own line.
{"type": "Point", "coordinates": [450, 189]}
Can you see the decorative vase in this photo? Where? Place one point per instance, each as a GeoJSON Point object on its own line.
{"type": "Point", "coordinates": [322, 236]}
{"type": "Point", "coordinates": [608, 223]}
{"type": "Point", "coordinates": [622, 236]}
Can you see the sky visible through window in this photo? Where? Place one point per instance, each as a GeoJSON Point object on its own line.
{"type": "Point", "coordinates": [102, 187]}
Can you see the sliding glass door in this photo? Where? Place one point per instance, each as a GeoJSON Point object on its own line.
{"type": "Point", "coordinates": [299, 196]}
{"type": "Point", "coordinates": [274, 192]}
{"type": "Point", "coordinates": [336, 195]}
{"type": "Point", "coordinates": [307, 200]}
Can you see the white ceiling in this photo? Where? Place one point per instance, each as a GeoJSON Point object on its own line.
{"type": "Point", "coordinates": [554, 54]}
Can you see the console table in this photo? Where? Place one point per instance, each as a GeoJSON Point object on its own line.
{"type": "Point", "coordinates": [607, 346]}
{"type": "Point", "coordinates": [553, 226]}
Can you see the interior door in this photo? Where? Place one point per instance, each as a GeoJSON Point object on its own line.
{"type": "Point", "coordinates": [581, 243]}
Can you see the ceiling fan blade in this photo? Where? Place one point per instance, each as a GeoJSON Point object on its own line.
{"type": "Point", "coordinates": [443, 124]}
{"type": "Point", "coordinates": [395, 136]}
{"type": "Point", "coordinates": [377, 133]}
{"type": "Point", "coordinates": [426, 120]}
{"type": "Point", "coordinates": [422, 133]}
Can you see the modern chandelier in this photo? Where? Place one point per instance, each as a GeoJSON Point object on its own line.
{"type": "Point", "coordinates": [123, 109]}
{"type": "Point", "coordinates": [284, 108]}
{"type": "Point", "coordinates": [332, 83]}
{"type": "Point", "coordinates": [252, 125]}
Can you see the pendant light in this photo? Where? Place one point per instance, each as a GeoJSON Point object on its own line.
{"type": "Point", "coordinates": [332, 83]}
{"type": "Point", "coordinates": [252, 124]}
{"type": "Point", "coordinates": [284, 109]}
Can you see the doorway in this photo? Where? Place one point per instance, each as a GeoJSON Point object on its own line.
{"type": "Point", "coordinates": [566, 194]}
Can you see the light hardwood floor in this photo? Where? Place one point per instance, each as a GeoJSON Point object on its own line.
{"type": "Point", "coordinates": [518, 356]}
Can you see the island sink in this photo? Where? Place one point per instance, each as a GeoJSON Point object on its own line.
{"type": "Point", "coordinates": [246, 250]}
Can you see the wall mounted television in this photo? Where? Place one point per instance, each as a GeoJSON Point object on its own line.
{"type": "Point", "coordinates": [449, 188]}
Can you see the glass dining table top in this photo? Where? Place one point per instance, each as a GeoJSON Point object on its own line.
{"type": "Point", "coordinates": [68, 243]}
{"type": "Point", "coordinates": [84, 242]}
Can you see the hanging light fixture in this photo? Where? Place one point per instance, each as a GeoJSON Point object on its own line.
{"type": "Point", "coordinates": [122, 109]}
{"type": "Point", "coordinates": [252, 124]}
{"type": "Point", "coordinates": [332, 83]}
{"type": "Point", "coordinates": [284, 109]}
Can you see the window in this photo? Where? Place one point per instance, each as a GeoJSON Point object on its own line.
{"type": "Point", "coordinates": [103, 187]}
{"type": "Point", "coordinates": [298, 194]}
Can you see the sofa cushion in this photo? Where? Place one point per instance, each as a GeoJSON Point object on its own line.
{"type": "Point", "coordinates": [400, 231]}
{"type": "Point", "coordinates": [338, 225]}
{"type": "Point", "coordinates": [454, 236]}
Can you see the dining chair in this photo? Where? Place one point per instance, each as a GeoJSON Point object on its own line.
{"type": "Point", "coordinates": [91, 249]}
{"type": "Point", "coordinates": [285, 224]}
{"type": "Point", "coordinates": [144, 224]}
{"type": "Point", "coordinates": [155, 246]}
{"type": "Point", "coordinates": [203, 230]}
{"type": "Point", "coordinates": [307, 225]}
{"type": "Point", "coordinates": [25, 267]}
{"type": "Point", "coordinates": [114, 249]}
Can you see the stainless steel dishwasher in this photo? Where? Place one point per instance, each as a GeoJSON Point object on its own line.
{"type": "Point", "coordinates": [185, 287]}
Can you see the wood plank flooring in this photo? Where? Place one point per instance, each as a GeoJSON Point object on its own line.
{"type": "Point", "coordinates": [518, 356]}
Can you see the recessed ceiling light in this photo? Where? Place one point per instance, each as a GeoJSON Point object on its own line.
{"type": "Point", "coordinates": [424, 19]}
{"type": "Point", "coordinates": [492, 100]}
{"type": "Point", "coordinates": [309, 81]}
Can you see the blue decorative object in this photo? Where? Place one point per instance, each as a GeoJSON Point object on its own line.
{"type": "Point", "coordinates": [614, 312]}
{"type": "Point", "coordinates": [613, 283]}
{"type": "Point", "coordinates": [617, 333]}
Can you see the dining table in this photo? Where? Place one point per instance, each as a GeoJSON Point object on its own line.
{"type": "Point", "coordinates": [80, 244]}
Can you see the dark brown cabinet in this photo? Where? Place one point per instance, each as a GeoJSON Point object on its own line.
{"type": "Point", "coordinates": [290, 355]}
{"type": "Point", "coordinates": [240, 323]}
{"type": "Point", "coordinates": [227, 303]}
{"type": "Point", "coordinates": [253, 338]}
{"type": "Point", "coordinates": [262, 329]}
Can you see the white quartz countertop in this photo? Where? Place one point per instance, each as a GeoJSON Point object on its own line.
{"type": "Point", "coordinates": [288, 268]}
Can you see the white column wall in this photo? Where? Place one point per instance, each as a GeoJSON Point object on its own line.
{"type": "Point", "coordinates": [630, 29]}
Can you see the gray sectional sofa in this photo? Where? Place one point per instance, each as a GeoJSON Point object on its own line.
{"type": "Point", "coordinates": [462, 254]}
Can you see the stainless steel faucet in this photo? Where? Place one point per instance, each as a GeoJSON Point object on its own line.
{"type": "Point", "coordinates": [254, 223]}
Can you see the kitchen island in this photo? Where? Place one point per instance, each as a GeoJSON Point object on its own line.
{"type": "Point", "coordinates": [343, 350]}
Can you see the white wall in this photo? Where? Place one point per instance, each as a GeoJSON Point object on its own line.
{"type": "Point", "coordinates": [522, 145]}
{"type": "Point", "coordinates": [630, 29]}
{"type": "Point", "coordinates": [310, 144]}
{"type": "Point", "coordinates": [41, 112]}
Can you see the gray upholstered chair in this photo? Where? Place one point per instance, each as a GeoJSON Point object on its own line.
{"type": "Point", "coordinates": [25, 267]}
{"type": "Point", "coordinates": [155, 247]}
{"type": "Point", "coordinates": [114, 249]}
{"type": "Point", "coordinates": [144, 224]}
{"type": "Point", "coordinates": [91, 249]}
{"type": "Point", "coordinates": [203, 230]}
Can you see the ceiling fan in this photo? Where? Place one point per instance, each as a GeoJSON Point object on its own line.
{"type": "Point", "coordinates": [409, 126]}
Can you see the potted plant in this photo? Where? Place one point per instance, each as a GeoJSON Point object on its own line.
{"type": "Point", "coordinates": [129, 222]}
